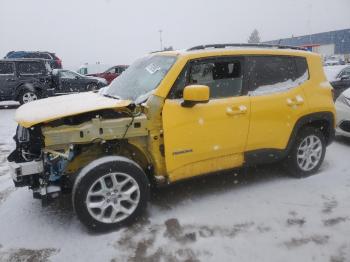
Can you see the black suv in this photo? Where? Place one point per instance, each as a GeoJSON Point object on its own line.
{"type": "Point", "coordinates": [54, 61]}
{"type": "Point", "coordinates": [25, 80]}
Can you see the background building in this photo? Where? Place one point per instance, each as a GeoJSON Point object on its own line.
{"type": "Point", "coordinates": [327, 43]}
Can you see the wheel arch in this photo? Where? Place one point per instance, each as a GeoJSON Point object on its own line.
{"type": "Point", "coordinates": [324, 121]}
{"type": "Point", "coordinates": [122, 149]}
{"type": "Point", "coordinates": [27, 86]}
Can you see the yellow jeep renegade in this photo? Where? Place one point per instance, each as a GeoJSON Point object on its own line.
{"type": "Point", "coordinates": [172, 116]}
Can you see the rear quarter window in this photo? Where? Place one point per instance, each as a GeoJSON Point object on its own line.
{"type": "Point", "coordinates": [272, 74]}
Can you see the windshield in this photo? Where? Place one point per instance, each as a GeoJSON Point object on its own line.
{"type": "Point", "coordinates": [141, 78]}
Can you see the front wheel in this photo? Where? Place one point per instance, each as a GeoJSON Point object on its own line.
{"type": "Point", "coordinates": [307, 154]}
{"type": "Point", "coordinates": [110, 192]}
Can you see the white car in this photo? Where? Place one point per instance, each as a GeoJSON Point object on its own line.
{"type": "Point", "coordinates": [342, 106]}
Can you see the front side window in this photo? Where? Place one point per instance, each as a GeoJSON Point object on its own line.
{"type": "Point", "coordinates": [31, 68]}
{"type": "Point", "coordinates": [141, 78]}
{"type": "Point", "coordinates": [223, 76]}
{"type": "Point", "coordinates": [271, 74]}
{"type": "Point", "coordinates": [6, 68]}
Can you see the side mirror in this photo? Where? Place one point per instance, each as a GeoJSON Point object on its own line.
{"type": "Point", "coordinates": [194, 94]}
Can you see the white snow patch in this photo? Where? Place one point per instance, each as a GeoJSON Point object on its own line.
{"type": "Point", "coordinates": [279, 87]}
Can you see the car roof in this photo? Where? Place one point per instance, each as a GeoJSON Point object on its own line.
{"type": "Point", "coordinates": [23, 59]}
{"type": "Point", "coordinates": [26, 52]}
{"type": "Point", "coordinates": [239, 49]}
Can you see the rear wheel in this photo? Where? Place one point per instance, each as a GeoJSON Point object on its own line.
{"type": "Point", "coordinates": [307, 154]}
{"type": "Point", "coordinates": [111, 194]}
{"type": "Point", "coordinates": [27, 96]}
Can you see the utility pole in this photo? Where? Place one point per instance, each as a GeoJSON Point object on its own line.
{"type": "Point", "coordinates": [160, 39]}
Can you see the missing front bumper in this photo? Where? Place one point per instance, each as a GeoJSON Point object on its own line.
{"type": "Point", "coordinates": [21, 172]}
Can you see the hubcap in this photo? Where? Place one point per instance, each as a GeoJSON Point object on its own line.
{"type": "Point", "coordinates": [113, 197]}
{"type": "Point", "coordinates": [309, 152]}
{"type": "Point", "coordinates": [29, 97]}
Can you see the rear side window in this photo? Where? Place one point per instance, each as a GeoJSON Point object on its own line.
{"type": "Point", "coordinates": [31, 68]}
{"type": "Point", "coordinates": [6, 68]}
{"type": "Point", "coordinates": [302, 68]}
{"type": "Point", "coordinates": [271, 74]}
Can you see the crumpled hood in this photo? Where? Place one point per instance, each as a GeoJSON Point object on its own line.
{"type": "Point", "coordinates": [49, 109]}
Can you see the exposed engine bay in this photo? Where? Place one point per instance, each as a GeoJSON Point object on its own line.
{"type": "Point", "coordinates": [44, 151]}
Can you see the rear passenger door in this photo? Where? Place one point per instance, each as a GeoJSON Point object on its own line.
{"type": "Point", "coordinates": [277, 99]}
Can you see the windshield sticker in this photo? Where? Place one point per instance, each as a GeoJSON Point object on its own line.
{"type": "Point", "coordinates": [152, 68]}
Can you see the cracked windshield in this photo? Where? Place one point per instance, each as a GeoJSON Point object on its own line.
{"type": "Point", "coordinates": [193, 131]}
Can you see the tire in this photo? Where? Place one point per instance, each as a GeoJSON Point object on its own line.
{"type": "Point", "coordinates": [118, 204]}
{"type": "Point", "coordinates": [27, 96]}
{"type": "Point", "coordinates": [307, 154]}
{"type": "Point", "coordinates": [92, 87]}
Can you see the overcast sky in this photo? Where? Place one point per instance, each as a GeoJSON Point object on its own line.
{"type": "Point", "coordinates": [117, 32]}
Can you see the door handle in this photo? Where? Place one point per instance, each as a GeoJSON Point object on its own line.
{"type": "Point", "coordinates": [296, 101]}
{"type": "Point", "coordinates": [236, 110]}
{"type": "Point", "coordinates": [10, 80]}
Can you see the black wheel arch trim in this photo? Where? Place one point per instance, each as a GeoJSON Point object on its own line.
{"type": "Point", "coordinates": [271, 155]}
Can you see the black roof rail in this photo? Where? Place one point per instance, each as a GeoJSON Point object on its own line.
{"type": "Point", "coordinates": [246, 45]}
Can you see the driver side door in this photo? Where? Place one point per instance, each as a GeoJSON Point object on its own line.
{"type": "Point", "coordinates": [210, 136]}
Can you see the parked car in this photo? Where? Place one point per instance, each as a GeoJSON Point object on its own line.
{"type": "Point", "coordinates": [67, 81]}
{"type": "Point", "coordinates": [89, 69]}
{"type": "Point", "coordinates": [55, 62]}
{"type": "Point", "coordinates": [24, 80]}
{"type": "Point", "coordinates": [341, 81]}
{"type": "Point", "coordinates": [111, 73]}
{"type": "Point", "coordinates": [172, 116]}
{"type": "Point", "coordinates": [342, 105]}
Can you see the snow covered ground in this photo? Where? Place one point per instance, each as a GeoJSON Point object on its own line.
{"type": "Point", "coordinates": [262, 215]}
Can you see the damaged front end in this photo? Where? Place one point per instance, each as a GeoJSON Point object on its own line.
{"type": "Point", "coordinates": [48, 155]}
{"type": "Point", "coordinates": [39, 169]}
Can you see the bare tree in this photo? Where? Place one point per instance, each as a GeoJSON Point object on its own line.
{"type": "Point", "coordinates": [254, 37]}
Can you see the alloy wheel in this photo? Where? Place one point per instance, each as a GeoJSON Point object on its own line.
{"type": "Point", "coordinates": [113, 197]}
{"type": "Point", "coordinates": [309, 152]}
